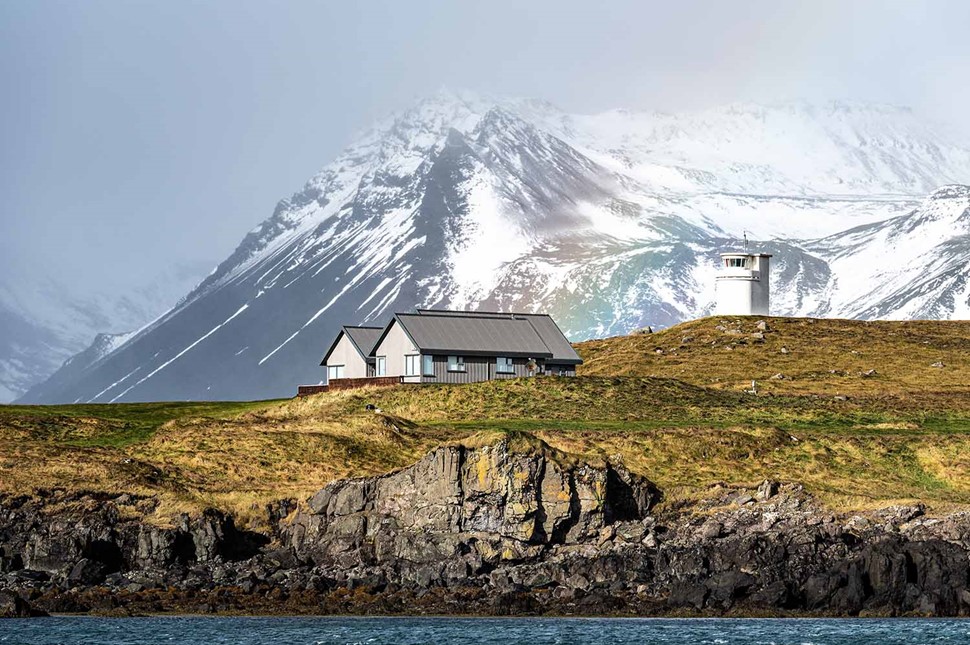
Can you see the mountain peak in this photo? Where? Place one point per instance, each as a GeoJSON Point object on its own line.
{"type": "Point", "coordinates": [951, 191]}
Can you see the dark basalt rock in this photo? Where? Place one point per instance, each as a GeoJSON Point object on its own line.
{"type": "Point", "coordinates": [14, 606]}
{"type": "Point", "coordinates": [492, 530]}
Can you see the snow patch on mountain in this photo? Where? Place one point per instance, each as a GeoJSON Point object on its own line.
{"type": "Point", "coordinates": [910, 266]}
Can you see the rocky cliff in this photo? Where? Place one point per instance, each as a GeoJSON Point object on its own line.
{"type": "Point", "coordinates": [509, 528]}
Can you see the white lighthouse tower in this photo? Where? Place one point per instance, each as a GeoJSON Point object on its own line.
{"type": "Point", "coordinates": [742, 284]}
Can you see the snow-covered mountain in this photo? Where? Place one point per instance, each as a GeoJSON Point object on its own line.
{"type": "Point", "coordinates": [44, 323]}
{"type": "Point", "coordinates": [608, 222]}
{"type": "Point", "coordinates": [912, 266]}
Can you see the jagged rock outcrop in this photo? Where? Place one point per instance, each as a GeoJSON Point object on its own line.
{"type": "Point", "coordinates": [505, 528]}
{"type": "Point", "coordinates": [81, 539]}
{"type": "Point", "coordinates": [462, 512]}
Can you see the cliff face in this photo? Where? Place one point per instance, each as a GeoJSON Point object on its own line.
{"type": "Point", "coordinates": [494, 529]}
{"type": "Point", "coordinates": [470, 505]}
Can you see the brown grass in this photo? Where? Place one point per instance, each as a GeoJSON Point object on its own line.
{"type": "Point", "coordinates": [857, 442]}
{"type": "Point", "coordinates": [824, 356]}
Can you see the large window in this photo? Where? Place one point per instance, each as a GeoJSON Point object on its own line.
{"type": "Point", "coordinates": [380, 369]}
{"type": "Point", "coordinates": [503, 365]}
{"type": "Point", "coordinates": [427, 365]}
{"type": "Point", "coordinates": [335, 371]}
{"type": "Point", "coordinates": [412, 365]}
{"type": "Point", "coordinates": [456, 363]}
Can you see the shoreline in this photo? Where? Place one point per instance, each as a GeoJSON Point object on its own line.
{"type": "Point", "coordinates": [497, 530]}
{"type": "Point", "coordinates": [491, 617]}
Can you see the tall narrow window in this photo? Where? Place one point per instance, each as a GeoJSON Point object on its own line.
{"type": "Point", "coordinates": [412, 365]}
{"type": "Point", "coordinates": [503, 365]}
{"type": "Point", "coordinates": [427, 365]}
{"type": "Point", "coordinates": [381, 367]}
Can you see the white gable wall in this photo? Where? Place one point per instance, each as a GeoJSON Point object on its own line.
{"type": "Point", "coordinates": [395, 346]}
{"type": "Point", "coordinates": [347, 355]}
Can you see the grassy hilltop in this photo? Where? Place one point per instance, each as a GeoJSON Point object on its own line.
{"type": "Point", "coordinates": [672, 405]}
{"type": "Point", "coordinates": [815, 356]}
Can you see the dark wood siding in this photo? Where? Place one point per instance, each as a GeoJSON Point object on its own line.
{"type": "Point", "coordinates": [561, 370]}
{"type": "Point", "coordinates": [477, 368]}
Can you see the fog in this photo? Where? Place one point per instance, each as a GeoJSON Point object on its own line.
{"type": "Point", "coordinates": [142, 134]}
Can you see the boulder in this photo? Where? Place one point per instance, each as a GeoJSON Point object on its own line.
{"type": "Point", "coordinates": [13, 606]}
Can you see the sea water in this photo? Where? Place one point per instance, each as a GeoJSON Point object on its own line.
{"type": "Point", "coordinates": [483, 631]}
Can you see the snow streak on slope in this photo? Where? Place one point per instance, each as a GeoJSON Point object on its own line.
{"type": "Point", "coordinates": [608, 222]}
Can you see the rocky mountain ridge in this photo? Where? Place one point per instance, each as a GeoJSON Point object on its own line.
{"type": "Point", "coordinates": [608, 222]}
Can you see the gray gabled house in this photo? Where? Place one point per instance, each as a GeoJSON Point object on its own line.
{"type": "Point", "coordinates": [434, 346]}
{"type": "Point", "coordinates": [349, 354]}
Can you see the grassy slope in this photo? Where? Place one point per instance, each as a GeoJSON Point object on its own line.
{"type": "Point", "coordinates": [857, 441]}
{"type": "Point", "coordinates": [723, 353]}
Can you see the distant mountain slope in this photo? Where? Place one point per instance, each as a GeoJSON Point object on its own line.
{"type": "Point", "coordinates": [836, 148]}
{"type": "Point", "coordinates": [43, 323]}
{"type": "Point", "coordinates": [608, 222]}
{"type": "Point", "coordinates": [26, 353]}
{"type": "Point", "coordinates": [911, 266]}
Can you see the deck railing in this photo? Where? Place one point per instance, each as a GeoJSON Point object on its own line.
{"type": "Point", "coordinates": [348, 384]}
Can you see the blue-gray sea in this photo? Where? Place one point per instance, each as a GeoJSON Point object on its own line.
{"type": "Point", "coordinates": [483, 631]}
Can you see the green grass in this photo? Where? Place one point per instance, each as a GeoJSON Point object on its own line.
{"type": "Point", "coordinates": [113, 425]}
{"type": "Point", "coordinates": [681, 418]}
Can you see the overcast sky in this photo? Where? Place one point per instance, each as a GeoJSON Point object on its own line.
{"type": "Point", "coordinates": [134, 133]}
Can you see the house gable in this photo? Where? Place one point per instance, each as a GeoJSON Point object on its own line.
{"type": "Point", "coordinates": [344, 352]}
{"type": "Point", "coordinates": [394, 344]}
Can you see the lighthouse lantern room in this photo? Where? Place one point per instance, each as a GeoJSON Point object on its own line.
{"type": "Point", "coordinates": [742, 284]}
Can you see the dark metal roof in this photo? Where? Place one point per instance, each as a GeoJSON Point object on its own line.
{"type": "Point", "coordinates": [547, 329]}
{"type": "Point", "coordinates": [474, 335]}
{"type": "Point", "coordinates": [562, 350]}
{"type": "Point", "coordinates": [362, 338]}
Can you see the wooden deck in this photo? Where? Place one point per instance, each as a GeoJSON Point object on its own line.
{"type": "Point", "coordinates": [349, 384]}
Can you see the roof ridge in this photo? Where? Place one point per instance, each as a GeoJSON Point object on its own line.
{"type": "Point", "coordinates": [346, 330]}
{"type": "Point", "coordinates": [419, 311]}
{"type": "Point", "coordinates": [472, 314]}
